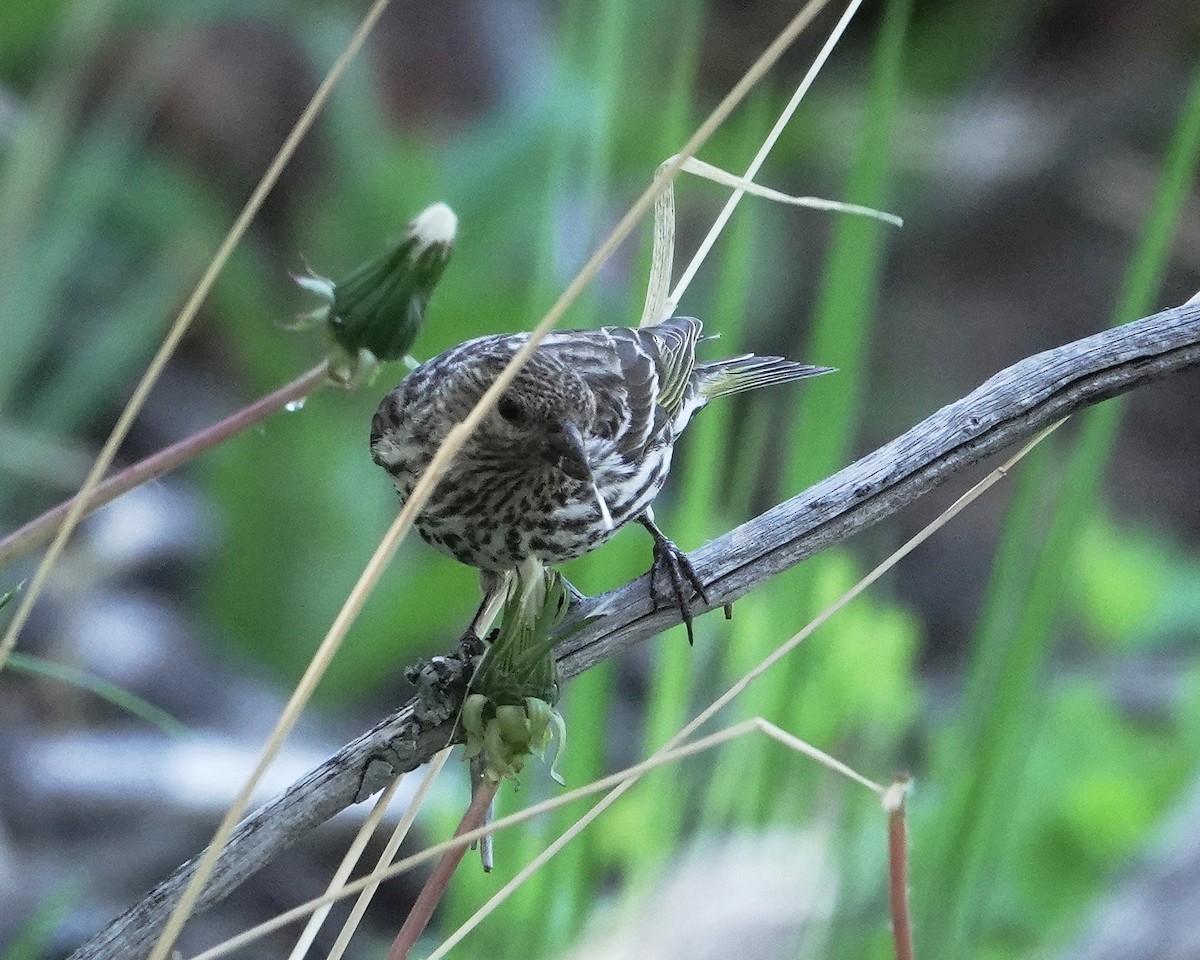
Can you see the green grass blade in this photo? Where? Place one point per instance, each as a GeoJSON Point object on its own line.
{"type": "Point", "coordinates": [850, 283]}
{"type": "Point", "coordinates": [830, 410]}
{"type": "Point", "coordinates": [578, 165]}
{"type": "Point", "coordinates": [599, 35]}
{"type": "Point", "coordinates": [110, 692]}
{"type": "Point", "coordinates": [699, 512]}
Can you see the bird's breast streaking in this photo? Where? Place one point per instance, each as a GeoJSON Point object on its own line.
{"type": "Point", "coordinates": [592, 416]}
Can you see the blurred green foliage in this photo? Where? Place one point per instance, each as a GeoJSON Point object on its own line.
{"type": "Point", "coordinates": [35, 938]}
{"type": "Point", "coordinates": [1002, 713]}
{"type": "Point", "coordinates": [1031, 789]}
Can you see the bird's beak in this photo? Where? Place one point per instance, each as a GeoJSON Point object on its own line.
{"type": "Point", "coordinates": [567, 443]}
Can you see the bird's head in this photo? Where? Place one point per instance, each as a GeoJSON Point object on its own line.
{"type": "Point", "coordinates": [545, 415]}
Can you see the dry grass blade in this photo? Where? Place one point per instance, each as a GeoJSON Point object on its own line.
{"type": "Point", "coordinates": [701, 745]}
{"type": "Point", "coordinates": [389, 851]}
{"type": "Point", "coordinates": [759, 158]}
{"type": "Point", "coordinates": [659, 758]}
{"type": "Point", "coordinates": [915, 541]}
{"type": "Point", "coordinates": [1009, 408]}
{"type": "Point", "coordinates": [435, 887]}
{"type": "Point", "coordinates": [192, 891]}
{"type": "Point", "coordinates": [619, 234]}
{"type": "Point", "coordinates": [662, 256]}
{"type": "Point", "coordinates": [724, 177]}
{"type": "Point", "coordinates": [488, 611]}
{"type": "Point", "coordinates": [179, 328]}
{"type": "Point", "coordinates": [658, 302]}
{"type": "Point", "coordinates": [355, 851]}
{"type": "Point", "coordinates": [300, 697]}
{"type": "Point", "coordinates": [342, 873]}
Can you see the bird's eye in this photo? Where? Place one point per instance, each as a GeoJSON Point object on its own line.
{"type": "Point", "coordinates": [510, 410]}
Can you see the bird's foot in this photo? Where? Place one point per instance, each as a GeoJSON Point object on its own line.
{"type": "Point", "coordinates": [672, 564]}
{"type": "Point", "coordinates": [471, 646]}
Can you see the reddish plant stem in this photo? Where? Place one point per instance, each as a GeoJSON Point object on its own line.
{"type": "Point", "coordinates": [893, 803]}
{"type": "Point", "coordinates": [42, 529]}
{"type": "Point", "coordinates": [435, 887]}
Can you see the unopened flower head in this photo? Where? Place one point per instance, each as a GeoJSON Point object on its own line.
{"type": "Point", "coordinates": [510, 713]}
{"type": "Point", "coordinates": [375, 313]}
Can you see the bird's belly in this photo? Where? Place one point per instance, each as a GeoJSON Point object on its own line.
{"type": "Point", "coordinates": [499, 534]}
{"type": "Point", "coordinates": [494, 520]}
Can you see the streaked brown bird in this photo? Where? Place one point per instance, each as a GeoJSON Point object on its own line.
{"type": "Point", "coordinates": [577, 446]}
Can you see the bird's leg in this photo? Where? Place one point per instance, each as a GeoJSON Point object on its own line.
{"type": "Point", "coordinates": [493, 586]}
{"type": "Point", "coordinates": [573, 592]}
{"type": "Point", "coordinates": [471, 635]}
{"type": "Point", "coordinates": [669, 559]}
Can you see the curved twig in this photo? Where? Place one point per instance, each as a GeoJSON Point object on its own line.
{"type": "Point", "coordinates": [1010, 407]}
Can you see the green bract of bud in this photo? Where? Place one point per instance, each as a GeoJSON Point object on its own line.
{"type": "Point", "coordinates": [381, 305]}
{"type": "Point", "coordinates": [375, 313]}
{"type": "Point", "coordinates": [514, 724]}
{"type": "Point", "coordinates": [510, 713]}
{"type": "Point", "coordinates": [472, 717]}
{"type": "Point", "coordinates": [538, 713]}
{"type": "Point", "coordinates": [519, 662]}
{"type": "Point", "coordinates": [506, 735]}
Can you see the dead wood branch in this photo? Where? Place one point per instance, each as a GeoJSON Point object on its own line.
{"type": "Point", "coordinates": [1009, 408]}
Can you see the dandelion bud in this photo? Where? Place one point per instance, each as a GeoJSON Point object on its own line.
{"type": "Point", "coordinates": [375, 313]}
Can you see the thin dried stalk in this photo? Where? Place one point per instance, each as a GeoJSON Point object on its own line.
{"type": "Point", "coordinates": [439, 881]}
{"type": "Point", "coordinates": [488, 611]}
{"type": "Point", "coordinates": [1010, 407]}
{"type": "Point", "coordinates": [344, 869]}
{"type": "Point", "coordinates": [759, 158]}
{"type": "Point", "coordinates": [385, 858]}
{"type": "Point", "coordinates": [732, 693]}
{"type": "Point", "coordinates": [893, 805]}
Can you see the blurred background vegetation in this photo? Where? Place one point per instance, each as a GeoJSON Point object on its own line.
{"type": "Point", "coordinates": [1035, 665]}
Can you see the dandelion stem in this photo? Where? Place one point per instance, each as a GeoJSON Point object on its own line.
{"type": "Point", "coordinates": [41, 529]}
{"type": "Point", "coordinates": [893, 805]}
{"type": "Point", "coordinates": [435, 887]}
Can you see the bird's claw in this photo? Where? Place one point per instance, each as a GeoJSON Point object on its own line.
{"type": "Point", "coordinates": [680, 573]}
{"type": "Point", "coordinates": [470, 645]}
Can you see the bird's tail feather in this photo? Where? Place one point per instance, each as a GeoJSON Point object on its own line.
{"type": "Point", "coordinates": [720, 378]}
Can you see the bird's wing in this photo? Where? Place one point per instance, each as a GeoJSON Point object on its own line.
{"type": "Point", "coordinates": [641, 378]}
{"type": "Point", "coordinates": [672, 345]}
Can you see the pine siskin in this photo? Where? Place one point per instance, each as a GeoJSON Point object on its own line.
{"type": "Point", "coordinates": [578, 445]}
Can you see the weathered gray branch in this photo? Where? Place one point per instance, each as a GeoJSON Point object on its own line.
{"type": "Point", "coordinates": [1010, 407]}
